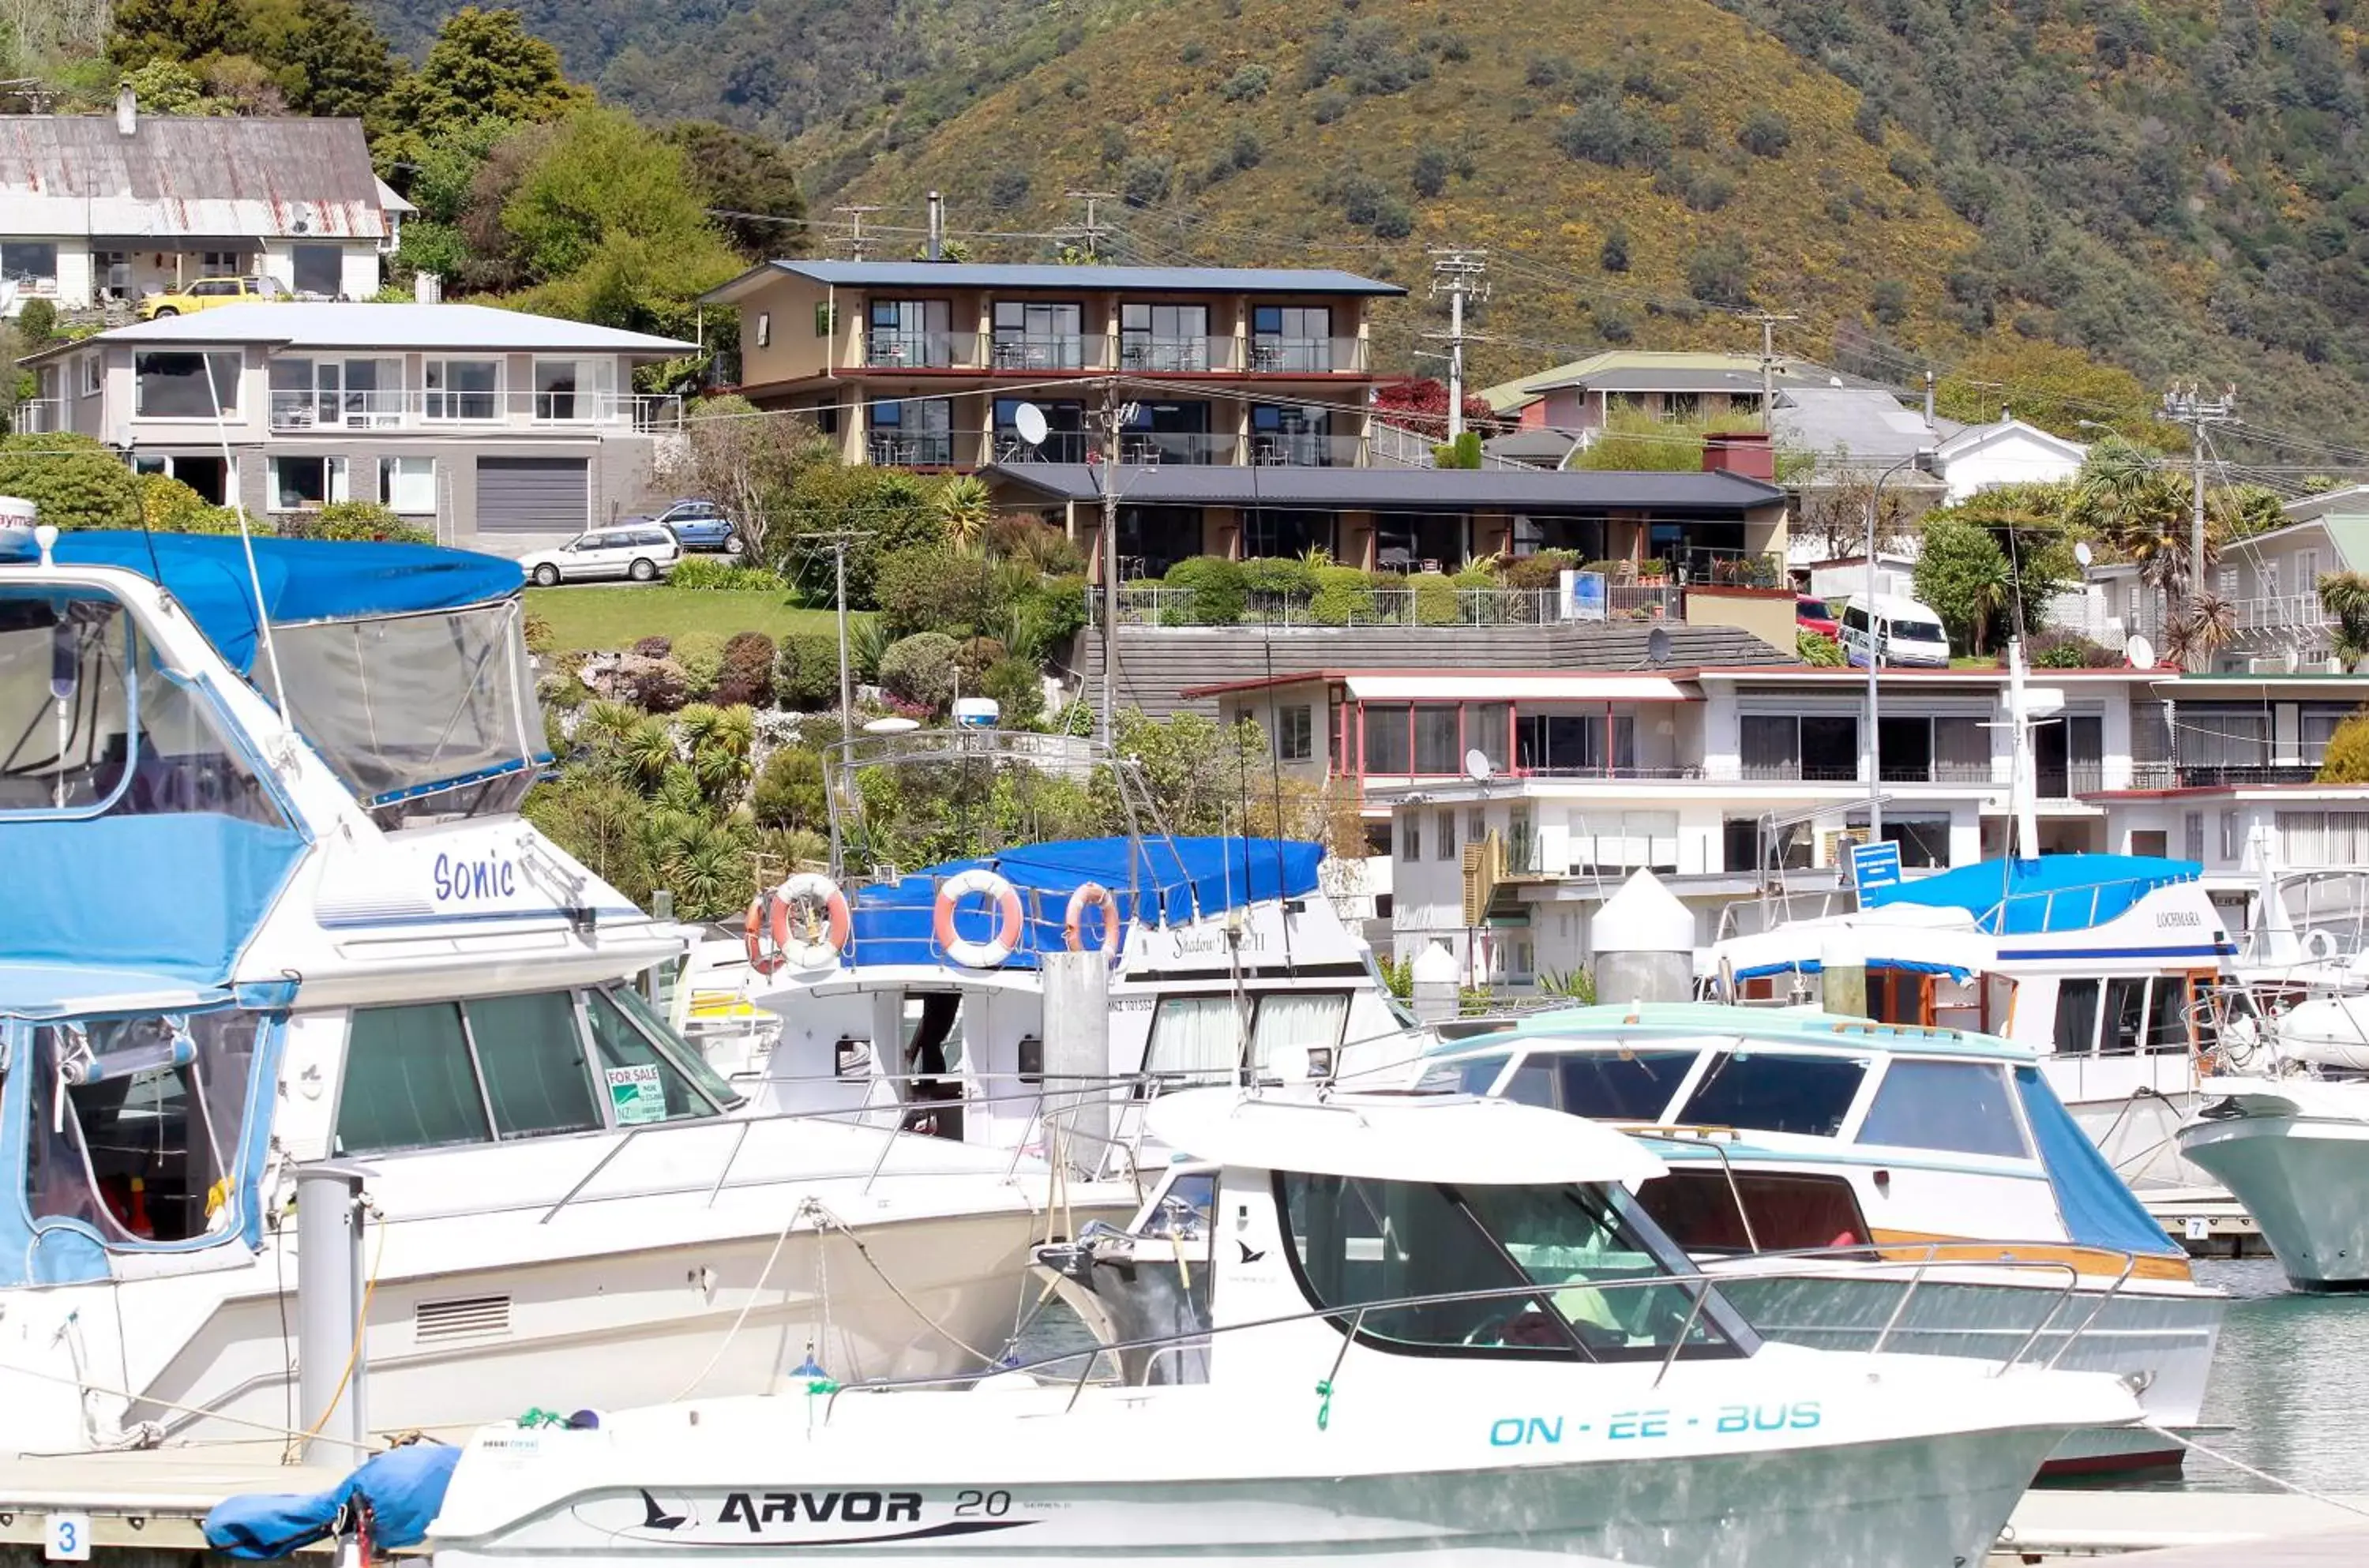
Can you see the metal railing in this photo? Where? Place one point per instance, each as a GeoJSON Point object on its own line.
{"type": "Point", "coordinates": [2219, 775]}
{"type": "Point", "coordinates": [1178, 355]}
{"type": "Point", "coordinates": [292, 410]}
{"type": "Point", "coordinates": [42, 417]}
{"type": "Point", "coordinates": [931, 449]}
{"type": "Point", "coordinates": [1049, 352]}
{"type": "Point", "coordinates": [1273, 355]}
{"type": "Point", "coordinates": [2281, 612]}
{"type": "Point", "coordinates": [1151, 449]}
{"type": "Point", "coordinates": [895, 348]}
{"type": "Point", "coordinates": [1271, 449]}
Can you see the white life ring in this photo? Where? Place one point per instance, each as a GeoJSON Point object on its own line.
{"type": "Point", "coordinates": [2319, 945]}
{"type": "Point", "coordinates": [969, 954]}
{"type": "Point", "coordinates": [806, 942]}
{"type": "Point", "coordinates": [1090, 896]}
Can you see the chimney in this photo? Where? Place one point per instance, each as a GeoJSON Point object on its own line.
{"type": "Point", "coordinates": [127, 110]}
{"type": "Point", "coordinates": [1750, 453]}
{"type": "Point", "coordinates": [427, 288]}
{"type": "Point", "coordinates": [1929, 400]}
{"type": "Point", "coordinates": [938, 251]}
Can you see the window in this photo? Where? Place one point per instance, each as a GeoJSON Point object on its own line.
{"type": "Point", "coordinates": [1436, 731]}
{"type": "Point", "coordinates": [912, 332]}
{"type": "Point", "coordinates": [90, 376]}
{"type": "Point", "coordinates": [2192, 835]}
{"type": "Point", "coordinates": [1485, 729]}
{"type": "Point", "coordinates": [1476, 825]}
{"type": "Point", "coordinates": [1296, 1022]}
{"type": "Point", "coordinates": [221, 263]}
{"type": "Point", "coordinates": [1291, 434]}
{"type": "Point", "coordinates": [1963, 1107]}
{"type": "Point", "coordinates": [319, 269]}
{"type": "Point", "coordinates": [2229, 847]}
{"type": "Point", "coordinates": [1291, 337]}
{"type": "Point", "coordinates": [2318, 729]}
{"type": "Point", "coordinates": [29, 261]}
{"type": "Point", "coordinates": [916, 430]}
{"type": "Point", "coordinates": [462, 389]}
{"type": "Point", "coordinates": [2076, 1016]}
{"type": "Point", "coordinates": [1443, 836]}
{"type": "Point", "coordinates": [1804, 1094]}
{"type": "Point", "coordinates": [408, 484]}
{"type": "Point", "coordinates": [826, 320]}
{"type": "Point", "coordinates": [172, 385]}
{"type": "Point", "coordinates": [1811, 746]}
{"type": "Point", "coordinates": [1195, 1036]}
{"type": "Point", "coordinates": [2126, 1016]}
{"type": "Point", "coordinates": [2168, 1005]}
{"type": "Point", "coordinates": [1627, 1086]}
{"type": "Point", "coordinates": [533, 1063]}
{"type": "Point", "coordinates": [2324, 838]}
{"type": "Point", "coordinates": [1623, 840]}
{"type": "Point", "coordinates": [765, 327]}
{"type": "Point", "coordinates": [1743, 1211]}
{"type": "Point", "coordinates": [409, 1081]}
{"type": "Point", "coordinates": [1294, 734]}
{"type": "Point", "coordinates": [1387, 749]}
{"type": "Point", "coordinates": [2223, 738]}
{"type": "Point", "coordinates": [1165, 338]}
{"type": "Point", "coordinates": [142, 1144]}
{"type": "Point", "coordinates": [301, 483]}
{"type": "Point", "coordinates": [640, 1082]}
{"type": "Point", "coordinates": [557, 383]}
{"type": "Point", "coordinates": [1411, 839]}
{"type": "Point", "coordinates": [1038, 335]}
{"type": "Point", "coordinates": [1601, 1268]}
{"type": "Point", "coordinates": [2149, 841]}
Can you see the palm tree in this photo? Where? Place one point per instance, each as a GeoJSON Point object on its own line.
{"type": "Point", "coordinates": [963, 506]}
{"type": "Point", "coordinates": [2345, 596]}
{"type": "Point", "coordinates": [2202, 629]}
{"type": "Point", "coordinates": [647, 751]}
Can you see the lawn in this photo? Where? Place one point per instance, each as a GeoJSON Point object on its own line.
{"type": "Point", "coordinates": [617, 617]}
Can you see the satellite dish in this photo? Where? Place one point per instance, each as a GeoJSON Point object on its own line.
{"type": "Point", "coordinates": [2083, 554]}
{"type": "Point", "coordinates": [2139, 651]}
{"type": "Point", "coordinates": [1029, 420]}
{"type": "Point", "coordinates": [1657, 646]}
{"type": "Point", "coordinates": [895, 724]}
{"type": "Point", "coordinates": [1477, 766]}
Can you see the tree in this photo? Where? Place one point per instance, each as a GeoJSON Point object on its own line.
{"type": "Point", "coordinates": [2346, 761]}
{"type": "Point", "coordinates": [175, 30]}
{"type": "Point", "coordinates": [2345, 596]}
{"type": "Point", "coordinates": [601, 176]}
{"type": "Point", "coordinates": [327, 56]}
{"type": "Point", "coordinates": [1720, 273]}
{"type": "Point", "coordinates": [745, 462]}
{"type": "Point", "coordinates": [1420, 404]}
{"type": "Point", "coordinates": [1962, 576]}
{"type": "Point", "coordinates": [2046, 385]}
{"type": "Point", "coordinates": [742, 173]}
{"type": "Point", "coordinates": [964, 506]}
{"type": "Point", "coordinates": [169, 87]}
{"type": "Point", "coordinates": [2128, 498]}
{"type": "Point", "coordinates": [484, 64]}
{"type": "Point", "coordinates": [74, 481]}
{"type": "Point", "coordinates": [1765, 133]}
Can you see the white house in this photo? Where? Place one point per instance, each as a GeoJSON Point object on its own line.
{"type": "Point", "coordinates": [494, 426]}
{"type": "Point", "coordinates": [100, 207]}
{"type": "Point", "coordinates": [2271, 582]}
{"type": "Point", "coordinates": [2006, 451]}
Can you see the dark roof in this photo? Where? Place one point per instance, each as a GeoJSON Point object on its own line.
{"type": "Point", "coordinates": [1162, 279]}
{"type": "Point", "coordinates": [1398, 489]}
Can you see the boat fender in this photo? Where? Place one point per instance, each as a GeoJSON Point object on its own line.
{"type": "Point", "coordinates": [813, 942]}
{"type": "Point", "coordinates": [973, 955]}
{"type": "Point", "coordinates": [1090, 896]}
{"type": "Point", "coordinates": [2319, 945]}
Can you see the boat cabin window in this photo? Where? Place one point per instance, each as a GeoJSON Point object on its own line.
{"type": "Point", "coordinates": [143, 1144]}
{"type": "Point", "coordinates": [1773, 1092]}
{"type": "Point", "coordinates": [92, 722]}
{"type": "Point", "coordinates": [1602, 1269]}
{"type": "Point", "coordinates": [2142, 1015]}
{"type": "Point", "coordinates": [1194, 1037]}
{"type": "Point", "coordinates": [1296, 1022]}
{"type": "Point", "coordinates": [1709, 1211]}
{"type": "Point", "coordinates": [1963, 1107]}
{"type": "Point", "coordinates": [430, 1075]}
{"type": "Point", "coordinates": [1624, 1086]}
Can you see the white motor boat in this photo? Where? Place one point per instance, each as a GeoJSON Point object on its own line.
{"type": "Point", "coordinates": [2295, 1150]}
{"type": "Point", "coordinates": [1415, 1326]}
{"type": "Point", "coordinates": [273, 904]}
{"type": "Point", "coordinates": [1898, 1155]}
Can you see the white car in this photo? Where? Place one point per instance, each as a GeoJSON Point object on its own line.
{"type": "Point", "coordinates": [1907, 634]}
{"type": "Point", "coordinates": [641, 552]}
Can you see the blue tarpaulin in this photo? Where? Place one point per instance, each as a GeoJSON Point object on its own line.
{"type": "Point", "coordinates": [405, 1487]}
{"type": "Point", "coordinates": [304, 579]}
{"type": "Point", "coordinates": [2099, 1209]}
{"type": "Point", "coordinates": [1165, 881]}
{"type": "Point", "coordinates": [2056, 892]}
{"type": "Point", "coordinates": [1811, 966]}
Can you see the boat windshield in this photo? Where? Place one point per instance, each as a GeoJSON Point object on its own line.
{"type": "Point", "coordinates": [1604, 1268]}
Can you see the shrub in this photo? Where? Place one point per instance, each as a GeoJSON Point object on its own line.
{"type": "Point", "coordinates": [1007, 187]}
{"type": "Point", "coordinates": [1431, 170]}
{"type": "Point", "coordinates": [1543, 569]}
{"type": "Point", "coordinates": [352, 521]}
{"type": "Point", "coordinates": [976, 658]}
{"type": "Point", "coordinates": [747, 673]}
{"type": "Point", "coordinates": [1328, 105]}
{"type": "Point", "coordinates": [1765, 133]}
{"type": "Point", "coordinates": [2070, 650]}
{"type": "Point", "coordinates": [933, 590]}
{"type": "Point", "coordinates": [538, 638]}
{"type": "Point", "coordinates": [37, 323]}
{"type": "Point", "coordinates": [655, 647]}
{"type": "Point", "coordinates": [1720, 273]}
{"type": "Point", "coordinates": [1058, 607]}
{"type": "Point", "coordinates": [2346, 761]}
{"type": "Point", "coordinates": [654, 685]}
{"type": "Point", "coordinates": [1286, 575]}
{"type": "Point", "coordinates": [789, 793]}
{"type": "Point", "coordinates": [1144, 182]}
{"type": "Point", "coordinates": [1909, 169]}
{"type": "Point", "coordinates": [1817, 648]}
{"type": "Point", "coordinates": [805, 672]}
{"type": "Point", "coordinates": [920, 670]}
{"type": "Point", "coordinates": [700, 655]}
{"type": "Point", "coordinates": [1217, 588]}
{"type": "Point", "coordinates": [1434, 599]}
{"type": "Point", "coordinates": [1018, 691]}
{"type": "Point", "coordinates": [1614, 257]}
{"type": "Point", "coordinates": [702, 571]}
{"type": "Point", "coordinates": [1343, 594]}
{"type": "Point", "coordinates": [1250, 82]}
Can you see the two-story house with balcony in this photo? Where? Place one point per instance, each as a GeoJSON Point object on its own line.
{"type": "Point", "coordinates": [497, 429]}
{"type": "Point", "coordinates": [98, 208]}
{"type": "Point", "coordinates": [2271, 582]}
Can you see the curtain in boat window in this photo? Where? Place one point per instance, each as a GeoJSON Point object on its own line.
{"type": "Point", "coordinates": [1197, 1034]}
{"type": "Point", "coordinates": [1297, 1022]}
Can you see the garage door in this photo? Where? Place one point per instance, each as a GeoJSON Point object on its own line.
{"type": "Point", "coordinates": [533, 494]}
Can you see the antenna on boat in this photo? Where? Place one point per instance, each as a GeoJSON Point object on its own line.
{"type": "Point", "coordinates": [2025, 708]}
{"type": "Point", "coordinates": [246, 537]}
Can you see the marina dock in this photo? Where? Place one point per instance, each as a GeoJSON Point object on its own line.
{"type": "Point", "coordinates": [2255, 1530]}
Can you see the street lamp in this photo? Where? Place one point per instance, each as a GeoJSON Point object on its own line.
{"type": "Point", "coordinates": [1925, 460]}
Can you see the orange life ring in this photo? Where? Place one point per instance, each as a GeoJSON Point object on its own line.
{"type": "Point", "coordinates": [771, 940]}
{"type": "Point", "coordinates": [1090, 896]}
{"type": "Point", "coordinates": [753, 932]}
{"type": "Point", "coordinates": [969, 954]}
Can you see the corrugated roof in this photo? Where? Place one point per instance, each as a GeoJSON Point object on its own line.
{"type": "Point", "coordinates": [1863, 426]}
{"type": "Point", "coordinates": [978, 275]}
{"type": "Point", "coordinates": [1400, 489]}
{"type": "Point", "coordinates": [1647, 370]}
{"type": "Point", "coordinates": [77, 175]}
{"type": "Point", "coordinates": [307, 324]}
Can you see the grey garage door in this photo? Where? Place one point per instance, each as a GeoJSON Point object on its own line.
{"type": "Point", "coordinates": [533, 494]}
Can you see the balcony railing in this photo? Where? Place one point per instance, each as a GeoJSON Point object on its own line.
{"type": "Point", "coordinates": [41, 416]}
{"type": "Point", "coordinates": [2282, 612]}
{"type": "Point", "coordinates": [1049, 352]}
{"type": "Point", "coordinates": [1271, 449]}
{"type": "Point", "coordinates": [1151, 448]}
{"type": "Point", "coordinates": [926, 449]}
{"type": "Point", "coordinates": [1177, 356]}
{"type": "Point", "coordinates": [1307, 356]}
{"type": "Point", "coordinates": [292, 411]}
{"type": "Point", "coordinates": [1058, 446]}
{"type": "Point", "coordinates": [2218, 776]}
{"type": "Point", "coordinates": [895, 349]}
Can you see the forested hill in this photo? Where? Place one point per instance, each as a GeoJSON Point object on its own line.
{"type": "Point", "coordinates": [2179, 188]}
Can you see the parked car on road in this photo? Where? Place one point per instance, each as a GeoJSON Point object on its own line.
{"type": "Point", "coordinates": [700, 525]}
{"type": "Point", "coordinates": [1813, 615]}
{"type": "Point", "coordinates": [1905, 633]}
{"type": "Point", "coordinates": [208, 293]}
{"type": "Point", "coordinates": [639, 551]}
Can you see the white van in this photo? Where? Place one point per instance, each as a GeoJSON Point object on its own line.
{"type": "Point", "coordinates": [1906, 633]}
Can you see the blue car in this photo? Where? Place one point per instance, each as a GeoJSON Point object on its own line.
{"type": "Point", "coordinates": [700, 525]}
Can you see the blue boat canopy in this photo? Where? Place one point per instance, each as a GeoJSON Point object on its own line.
{"type": "Point", "coordinates": [1811, 966]}
{"type": "Point", "coordinates": [304, 579]}
{"type": "Point", "coordinates": [1164, 881]}
{"type": "Point", "coordinates": [2056, 892]}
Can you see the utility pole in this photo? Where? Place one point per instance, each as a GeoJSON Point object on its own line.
{"type": "Point", "coordinates": [839, 539]}
{"type": "Point", "coordinates": [1458, 274]}
{"type": "Point", "coordinates": [2181, 406]}
{"type": "Point", "coordinates": [1769, 360]}
{"type": "Point", "coordinates": [854, 228]}
{"type": "Point", "coordinates": [1111, 419]}
{"type": "Point", "coordinates": [1091, 233]}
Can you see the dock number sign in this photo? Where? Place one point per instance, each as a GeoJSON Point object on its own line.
{"type": "Point", "coordinates": [66, 1538]}
{"type": "Point", "coordinates": [1874, 867]}
{"type": "Point", "coordinates": [636, 1096]}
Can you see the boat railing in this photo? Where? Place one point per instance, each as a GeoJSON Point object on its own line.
{"type": "Point", "coordinates": [1703, 1285]}
{"type": "Point", "coordinates": [1073, 1094]}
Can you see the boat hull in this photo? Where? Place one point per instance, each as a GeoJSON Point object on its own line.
{"type": "Point", "coordinates": [2161, 1340]}
{"type": "Point", "coordinates": [2304, 1180]}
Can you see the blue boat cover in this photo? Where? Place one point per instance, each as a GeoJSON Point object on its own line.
{"type": "Point", "coordinates": [2099, 1209]}
{"type": "Point", "coordinates": [1165, 881]}
{"type": "Point", "coordinates": [1811, 966]}
{"type": "Point", "coordinates": [171, 899]}
{"type": "Point", "coordinates": [2056, 892]}
{"type": "Point", "coordinates": [304, 579]}
{"type": "Point", "coordinates": [405, 1487]}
